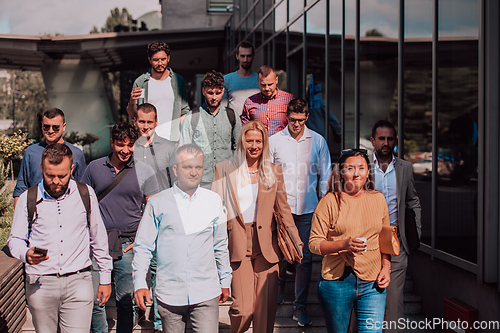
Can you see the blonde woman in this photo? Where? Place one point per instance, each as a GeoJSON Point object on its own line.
{"type": "Point", "coordinates": [251, 187]}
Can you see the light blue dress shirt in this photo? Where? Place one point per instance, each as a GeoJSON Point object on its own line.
{"type": "Point", "coordinates": [61, 228]}
{"type": "Point", "coordinates": [302, 161]}
{"type": "Point", "coordinates": [190, 234]}
{"type": "Point", "coordinates": [386, 183]}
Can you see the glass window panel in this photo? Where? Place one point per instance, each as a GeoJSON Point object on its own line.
{"type": "Point", "coordinates": [268, 26]}
{"type": "Point", "coordinates": [280, 16]}
{"type": "Point", "coordinates": [258, 58]}
{"type": "Point", "coordinates": [335, 17]}
{"type": "Point", "coordinates": [418, 103]}
{"type": "Point", "coordinates": [335, 74]}
{"type": "Point", "coordinates": [268, 4]}
{"type": "Point", "coordinates": [298, 27]}
{"type": "Point", "coordinates": [295, 7]}
{"type": "Point", "coordinates": [378, 64]}
{"type": "Point", "coordinates": [280, 59]}
{"type": "Point", "coordinates": [237, 12]}
{"type": "Point", "coordinates": [456, 224]}
{"type": "Point", "coordinates": [316, 93]}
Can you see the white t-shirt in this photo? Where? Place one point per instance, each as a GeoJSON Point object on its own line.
{"type": "Point", "coordinates": [161, 95]}
{"type": "Point", "coordinates": [247, 198]}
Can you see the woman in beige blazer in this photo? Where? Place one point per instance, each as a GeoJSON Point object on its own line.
{"type": "Point", "coordinates": [251, 187]}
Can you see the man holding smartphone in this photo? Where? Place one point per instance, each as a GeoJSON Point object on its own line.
{"type": "Point", "coordinates": [56, 247]}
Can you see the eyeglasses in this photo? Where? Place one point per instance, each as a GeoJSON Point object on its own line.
{"type": "Point", "coordinates": [55, 128]}
{"type": "Point", "coordinates": [300, 121]}
{"type": "Point", "coordinates": [351, 151]}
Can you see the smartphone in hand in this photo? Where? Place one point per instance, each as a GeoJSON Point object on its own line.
{"type": "Point", "coordinates": [40, 250]}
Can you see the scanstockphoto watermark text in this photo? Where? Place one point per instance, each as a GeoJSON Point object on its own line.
{"type": "Point", "coordinates": [431, 324]}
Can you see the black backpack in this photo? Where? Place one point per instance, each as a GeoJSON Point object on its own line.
{"type": "Point", "coordinates": [31, 203]}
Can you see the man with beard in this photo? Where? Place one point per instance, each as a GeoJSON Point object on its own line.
{"type": "Point", "coordinates": [164, 89]}
{"type": "Point", "coordinates": [212, 126]}
{"type": "Point", "coordinates": [242, 83]}
{"type": "Point", "coordinates": [305, 159]}
{"type": "Point", "coordinates": [394, 178]}
{"type": "Point", "coordinates": [268, 106]}
{"type": "Point", "coordinates": [186, 225]}
{"type": "Point", "coordinates": [122, 187]}
{"type": "Point", "coordinates": [56, 246]}
{"type": "Point", "coordinates": [53, 126]}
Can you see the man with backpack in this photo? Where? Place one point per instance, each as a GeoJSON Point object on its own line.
{"type": "Point", "coordinates": [213, 127]}
{"type": "Point", "coordinates": [56, 224]}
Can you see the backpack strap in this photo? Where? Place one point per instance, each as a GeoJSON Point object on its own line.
{"type": "Point", "coordinates": [84, 194]}
{"type": "Point", "coordinates": [232, 117]}
{"type": "Point", "coordinates": [195, 119]}
{"type": "Point", "coordinates": [31, 205]}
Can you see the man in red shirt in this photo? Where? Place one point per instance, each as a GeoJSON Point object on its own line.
{"type": "Point", "coordinates": [268, 106]}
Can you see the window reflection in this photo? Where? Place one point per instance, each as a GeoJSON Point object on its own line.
{"type": "Point", "coordinates": [456, 225]}
{"type": "Point", "coordinates": [418, 103]}
{"type": "Point", "coordinates": [378, 65]}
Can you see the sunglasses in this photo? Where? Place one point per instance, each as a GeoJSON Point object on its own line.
{"type": "Point", "coordinates": [350, 151]}
{"type": "Point", "coordinates": [55, 128]}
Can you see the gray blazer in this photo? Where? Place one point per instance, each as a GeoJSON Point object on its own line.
{"type": "Point", "coordinates": [406, 195]}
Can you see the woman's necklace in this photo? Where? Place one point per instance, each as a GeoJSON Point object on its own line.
{"type": "Point", "coordinates": [253, 172]}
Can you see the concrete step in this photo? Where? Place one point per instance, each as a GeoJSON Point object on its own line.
{"type": "Point", "coordinates": [412, 304]}
{"type": "Point", "coordinates": [408, 288]}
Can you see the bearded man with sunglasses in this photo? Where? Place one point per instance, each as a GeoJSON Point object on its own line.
{"type": "Point", "coordinates": [53, 126]}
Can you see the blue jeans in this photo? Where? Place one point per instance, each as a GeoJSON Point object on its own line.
{"type": "Point", "coordinates": [304, 268]}
{"type": "Point", "coordinates": [124, 290]}
{"type": "Point", "coordinates": [157, 318]}
{"type": "Point", "coordinates": [338, 297]}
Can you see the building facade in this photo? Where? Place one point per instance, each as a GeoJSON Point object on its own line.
{"type": "Point", "coordinates": [431, 68]}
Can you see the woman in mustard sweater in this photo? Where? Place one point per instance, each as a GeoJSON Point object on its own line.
{"type": "Point", "coordinates": [345, 229]}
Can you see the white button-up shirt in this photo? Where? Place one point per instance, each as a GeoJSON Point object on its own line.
{"type": "Point", "coordinates": [302, 161]}
{"type": "Point", "coordinates": [61, 227]}
{"type": "Point", "coordinates": [385, 182]}
{"type": "Point", "coordinates": [190, 235]}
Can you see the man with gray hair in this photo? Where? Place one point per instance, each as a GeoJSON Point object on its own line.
{"type": "Point", "coordinates": [186, 224]}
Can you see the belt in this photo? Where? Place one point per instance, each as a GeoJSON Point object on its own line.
{"type": "Point", "coordinates": [86, 269]}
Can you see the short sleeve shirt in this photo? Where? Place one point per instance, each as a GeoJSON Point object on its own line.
{"type": "Point", "coordinates": [122, 208]}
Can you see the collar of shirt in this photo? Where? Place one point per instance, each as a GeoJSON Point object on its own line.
{"type": "Point", "coordinates": [148, 74]}
{"type": "Point", "coordinates": [307, 133]}
{"type": "Point", "coordinates": [390, 167]}
{"type": "Point", "coordinates": [207, 110]}
{"type": "Point", "coordinates": [47, 196]}
{"type": "Point", "coordinates": [274, 97]}
{"type": "Point", "coordinates": [138, 142]}
{"type": "Point", "coordinates": [180, 193]}
{"type": "Point", "coordinates": [129, 164]}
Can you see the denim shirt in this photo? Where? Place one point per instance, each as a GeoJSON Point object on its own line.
{"type": "Point", "coordinates": [181, 106]}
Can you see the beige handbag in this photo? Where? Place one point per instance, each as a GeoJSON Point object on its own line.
{"type": "Point", "coordinates": [388, 240]}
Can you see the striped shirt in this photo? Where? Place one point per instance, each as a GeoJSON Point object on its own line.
{"type": "Point", "coordinates": [270, 112]}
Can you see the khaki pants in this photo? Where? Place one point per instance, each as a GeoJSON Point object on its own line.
{"type": "Point", "coordinates": [254, 289]}
{"type": "Point", "coordinates": [60, 302]}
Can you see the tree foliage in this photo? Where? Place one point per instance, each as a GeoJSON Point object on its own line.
{"type": "Point", "coordinates": [30, 99]}
{"type": "Point", "coordinates": [118, 20]}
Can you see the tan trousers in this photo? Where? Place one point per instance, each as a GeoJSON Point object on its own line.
{"type": "Point", "coordinates": [254, 289]}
